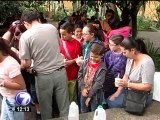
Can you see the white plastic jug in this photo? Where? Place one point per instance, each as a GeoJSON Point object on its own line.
{"type": "Point", "coordinates": [100, 113]}
{"type": "Point", "coordinates": [73, 112]}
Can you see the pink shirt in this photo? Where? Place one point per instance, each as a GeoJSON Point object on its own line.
{"type": "Point", "coordinates": [9, 68]}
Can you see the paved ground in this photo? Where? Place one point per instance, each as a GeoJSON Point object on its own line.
{"type": "Point", "coordinates": [152, 36]}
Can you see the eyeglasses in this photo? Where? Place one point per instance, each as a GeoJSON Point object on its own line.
{"type": "Point", "coordinates": [112, 44]}
{"type": "Point", "coordinates": [85, 34]}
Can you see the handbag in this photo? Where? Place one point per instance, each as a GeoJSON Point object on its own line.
{"type": "Point", "coordinates": [134, 101]}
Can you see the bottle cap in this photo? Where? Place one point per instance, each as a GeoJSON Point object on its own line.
{"type": "Point", "coordinates": [73, 103]}
{"type": "Point", "coordinates": [100, 106]}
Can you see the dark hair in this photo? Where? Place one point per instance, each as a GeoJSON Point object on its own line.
{"type": "Point", "coordinates": [109, 11]}
{"type": "Point", "coordinates": [41, 18]}
{"type": "Point", "coordinates": [138, 44]}
{"type": "Point", "coordinates": [30, 16]}
{"type": "Point", "coordinates": [97, 48]}
{"type": "Point", "coordinates": [116, 38]}
{"type": "Point", "coordinates": [94, 28]}
{"type": "Point", "coordinates": [68, 27]}
{"type": "Point", "coordinates": [4, 47]}
{"type": "Point", "coordinates": [78, 26]}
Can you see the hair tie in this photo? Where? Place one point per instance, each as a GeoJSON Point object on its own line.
{"type": "Point", "coordinates": [95, 25]}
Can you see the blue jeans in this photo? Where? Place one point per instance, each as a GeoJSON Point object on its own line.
{"type": "Point", "coordinates": [6, 111]}
{"type": "Point", "coordinates": [117, 103]}
{"type": "Point", "coordinates": [92, 104]}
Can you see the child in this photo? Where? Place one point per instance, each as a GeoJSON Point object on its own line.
{"type": "Point", "coordinates": [91, 34]}
{"type": "Point", "coordinates": [71, 49]}
{"type": "Point", "coordinates": [115, 63]}
{"type": "Point", "coordinates": [78, 33]}
{"type": "Point", "coordinates": [11, 81]}
{"type": "Point", "coordinates": [91, 77]}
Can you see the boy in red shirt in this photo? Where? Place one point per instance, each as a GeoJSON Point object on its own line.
{"type": "Point", "coordinates": [71, 49]}
{"type": "Point", "coordinates": [91, 77]}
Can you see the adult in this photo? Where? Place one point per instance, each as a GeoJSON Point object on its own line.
{"type": "Point", "coordinates": [106, 22]}
{"type": "Point", "coordinates": [12, 37]}
{"type": "Point", "coordinates": [139, 73]}
{"type": "Point", "coordinates": [11, 82]}
{"type": "Point", "coordinates": [83, 20]}
{"type": "Point", "coordinates": [41, 43]}
{"type": "Point", "coordinates": [13, 33]}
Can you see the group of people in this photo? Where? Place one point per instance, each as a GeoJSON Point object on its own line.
{"type": "Point", "coordinates": [80, 66]}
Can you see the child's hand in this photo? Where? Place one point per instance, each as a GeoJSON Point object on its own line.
{"type": "Point", "coordinates": [85, 92]}
{"type": "Point", "coordinates": [79, 60]}
{"type": "Point", "coordinates": [87, 101]}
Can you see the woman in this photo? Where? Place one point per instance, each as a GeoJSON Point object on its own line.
{"type": "Point", "coordinates": [105, 23]}
{"type": "Point", "coordinates": [139, 73]}
{"type": "Point", "coordinates": [11, 82]}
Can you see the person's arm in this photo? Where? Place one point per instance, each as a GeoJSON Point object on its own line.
{"type": "Point", "coordinates": [16, 83]}
{"type": "Point", "coordinates": [147, 76]}
{"type": "Point", "coordinates": [80, 78]}
{"type": "Point", "coordinates": [135, 86]}
{"type": "Point", "coordinates": [98, 83]}
{"type": "Point", "coordinates": [106, 58]}
{"type": "Point", "coordinates": [70, 62]}
{"type": "Point", "coordinates": [120, 88]}
{"type": "Point", "coordinates": [119, 67]}
{"type": "Point", "coordinates": [25, 63]}
{"type": "Point", "coordinates": [7, 36]}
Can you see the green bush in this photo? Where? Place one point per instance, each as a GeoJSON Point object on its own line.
{"type": "Point", "coordinates": [153, 52]}
{"type": "Point", "coordinates": [144, 23]}
{"type": "Point", "coordinates": [59, 15]}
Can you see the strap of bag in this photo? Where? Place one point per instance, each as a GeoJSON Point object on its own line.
{"type": "Point", "coordinates": [66, 50]}
{"type": "Point", "coordinates": [130, 73]}
{"type": "Point", "coordinates": [11, 44]}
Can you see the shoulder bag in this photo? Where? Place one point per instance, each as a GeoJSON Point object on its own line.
{"type": "Point", "coordinates": [134, 101]}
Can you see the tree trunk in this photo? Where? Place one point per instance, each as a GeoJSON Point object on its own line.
{"type": "Point", "coordinates": [134, 24]}
{"type": "Point", "coordinates": [64, 8]}
{"type": "Point", "coordinates": [125, 17]}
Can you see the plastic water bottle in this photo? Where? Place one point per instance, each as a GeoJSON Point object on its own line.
{"type": "Point", "coordinates": [100, 113]}
{"type": "Point", "coordinates": [73, 112]}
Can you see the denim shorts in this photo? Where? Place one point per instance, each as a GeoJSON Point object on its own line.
{"type": "Point", "coordinates": [7, 110]}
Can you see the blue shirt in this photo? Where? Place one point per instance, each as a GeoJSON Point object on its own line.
{"type": "Point", "coordinates": [86, 46]}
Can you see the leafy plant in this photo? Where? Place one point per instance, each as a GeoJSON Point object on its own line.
{"type": "Point", "coordinates": [154, 52]}
{"type": "Point", "coordinates": [144, 23]}
{"type": "Point", "coordinates": [59, 15]}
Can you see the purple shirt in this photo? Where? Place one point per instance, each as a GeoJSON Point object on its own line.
{"type": "Point", "coordinates": [115, 64]}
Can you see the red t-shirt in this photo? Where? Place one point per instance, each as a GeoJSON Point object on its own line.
{"type": "Point", "coordinates": [74, 49]}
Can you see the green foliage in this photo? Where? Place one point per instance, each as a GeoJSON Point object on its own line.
{"type": "Point", "coordinates": [9, 8]}
{"type": "Point", "coordinates": [59, 15]}
{"type": "Point", "coordinates": [153, 52]}
{"type": "Point", "coordinates": [33, 5]}
{"type": "Point", "coordinates": [144, 23]}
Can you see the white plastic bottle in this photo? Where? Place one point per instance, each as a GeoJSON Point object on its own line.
{"type": "Point", "coordinates": [73, 112]}
{"type": "Point", "coordinates": [100, 113]}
